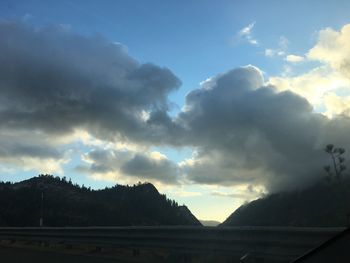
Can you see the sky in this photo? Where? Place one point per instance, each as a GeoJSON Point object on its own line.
{"type": "Point", "coordinates": [215, 102]}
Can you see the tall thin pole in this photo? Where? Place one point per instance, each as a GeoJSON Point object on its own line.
{"type": "Point", "coordinates": [42, 210]}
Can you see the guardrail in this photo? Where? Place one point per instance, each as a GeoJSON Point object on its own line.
{"type": "Point", "coordinates": [267, 244]}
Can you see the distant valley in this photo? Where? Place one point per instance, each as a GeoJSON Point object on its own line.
{"type": "Point", "coordinates": [210, 222]}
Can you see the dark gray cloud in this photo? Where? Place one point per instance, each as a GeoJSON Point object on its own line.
{"type": "Point", "coordinates": [146, 166]}
{"type": "Point", "coordinates": [150, 168]}
{"type": "Point", "coordinates": [27, 150]}
{"type": "Point", "coordinates": [53, 81]}
{"type": "Point", "coordinates": [56, 81]}
{"type": "Point", "coordinates": [245, 132]}
{"type": "Point", "coordinates": [23, 147]}
{"type": "Point", "coordinates": [11, 148]}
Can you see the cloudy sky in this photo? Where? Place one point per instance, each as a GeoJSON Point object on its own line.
{"type": "Point", "coordinates": [215, 102]}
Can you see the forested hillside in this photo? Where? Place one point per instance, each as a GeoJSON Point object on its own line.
{"type": "Point", "coordinates": [327, 203]}
{"type": "Point", "coordinates": [66, 204]}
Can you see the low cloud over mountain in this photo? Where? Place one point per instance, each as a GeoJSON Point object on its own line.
{"type": "Point", "coordinates": [247, 132]}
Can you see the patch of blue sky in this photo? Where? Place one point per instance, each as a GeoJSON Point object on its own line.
{"type": "Point", "coordinates": [10, 174]}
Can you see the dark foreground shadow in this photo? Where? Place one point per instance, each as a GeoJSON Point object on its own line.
{"type": "Point", "coordinates": [24, 255]}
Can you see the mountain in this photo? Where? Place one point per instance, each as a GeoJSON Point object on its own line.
{"type": "Point", "coordinates": [65, 204]}
{"type": "Point", "coordinates": [325, 204]}
{"type": "Point", "coordinates": [209, 222]}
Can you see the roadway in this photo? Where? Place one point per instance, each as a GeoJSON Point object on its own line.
{"type": "Point", "coordinates": [25, 255]}
{"type": "Point", "coordinates": [162, 244]}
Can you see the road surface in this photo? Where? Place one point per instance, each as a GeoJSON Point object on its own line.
{"type": "Point", "coordinates": [26, 255]}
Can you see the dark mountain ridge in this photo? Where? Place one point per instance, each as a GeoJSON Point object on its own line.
{"type": "Point", "coordinates": [325, 204]}
{"type": "Point", "coordinates": [66, 204]}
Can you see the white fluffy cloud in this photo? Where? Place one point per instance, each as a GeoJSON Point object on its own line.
{"type": "Point", "coordinates": [313, 85]}
{"type": "Point", "coordinates": [330, 79]}
{"type": "Point", "coordinates": [246, 35]}
{"type": "Point", "coordinates": [294, 58]}
{"type": "Point", "coordinates": [333, 49]}
{"type": "Point", "coordinates": [280, 50]}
